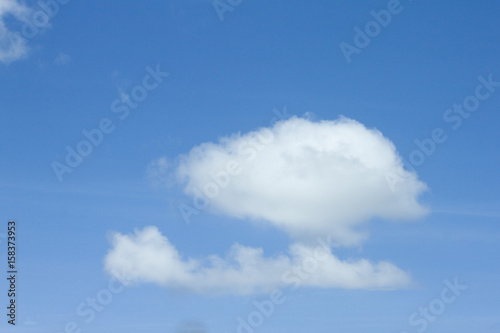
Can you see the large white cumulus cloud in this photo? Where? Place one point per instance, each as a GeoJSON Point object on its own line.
{"type": "Point", "coordinates": [308, 178]}
{"type": "Point", "coordinates": [148, 256]}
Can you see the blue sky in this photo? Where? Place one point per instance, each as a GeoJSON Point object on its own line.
{"type": "Point", "coordinates": [259, 66]}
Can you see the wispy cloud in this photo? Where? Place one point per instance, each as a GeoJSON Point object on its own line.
{"type": "Point", "coordinates": [12, 45]}
{"type": "Point", "coordinates": [62, 59]}
{"type": "Point", "coordinates": [159, 173]}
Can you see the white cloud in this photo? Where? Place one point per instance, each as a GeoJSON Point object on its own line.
{"type": "Point", "coordinates": [159, 172]}
{"type": "Point", "coordinates": [147, 256]}
{"type": "Point", "coordinates": [307, 178]}
{"type": "Point", "coordinates": [12, 44]}
{"type": "Point", "coordinates": [62, 59]}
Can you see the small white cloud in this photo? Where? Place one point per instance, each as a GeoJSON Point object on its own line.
{"type": "Point", "coordinates": [62, 59]}
{"type": "Point", "coordinates": [159, 172]}
{"type": "Point", "coordinates": [148, 256]}
{"type": "Point", "coordinates": [12, 45]}
{"type": "Point", "coordinates": [306, 178]}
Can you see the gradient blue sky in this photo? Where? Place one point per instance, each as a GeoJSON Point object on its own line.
{"type": "Point", "coordinates": [228, 76]}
